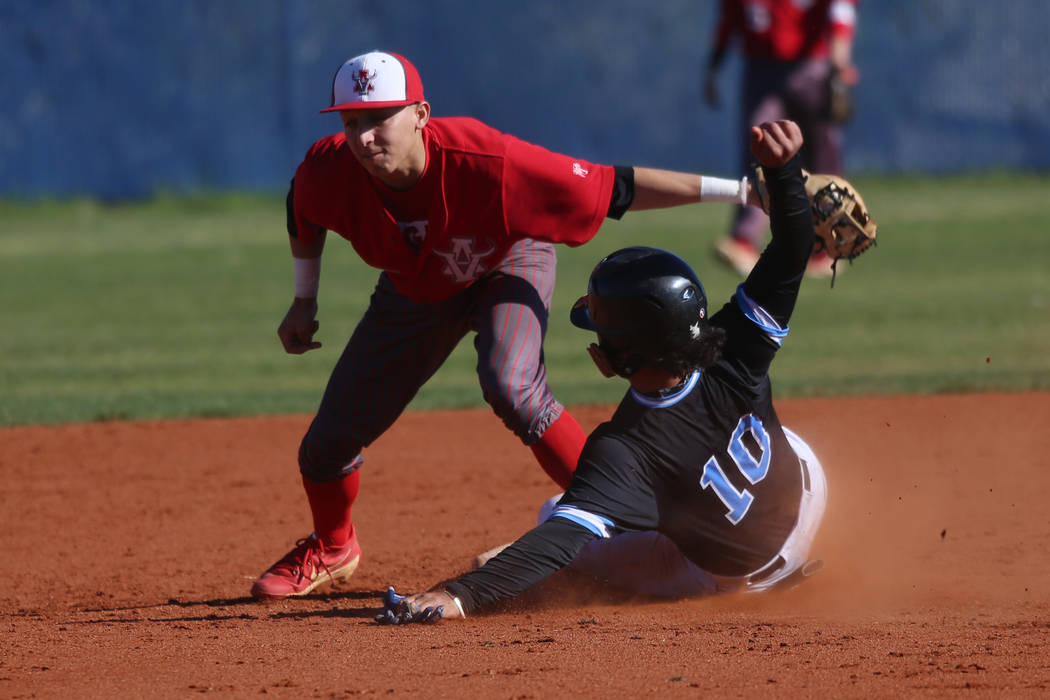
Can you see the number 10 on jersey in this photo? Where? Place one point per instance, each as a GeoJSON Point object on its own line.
{"type": "Point", "coordinates": [754, 470]}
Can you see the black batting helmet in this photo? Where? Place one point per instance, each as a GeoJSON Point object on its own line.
{"type": "Point", "coordinates": [644, 304]}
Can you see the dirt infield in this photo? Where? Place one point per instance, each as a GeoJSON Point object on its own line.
{"type": "Point", "coordinates": [129, 548]}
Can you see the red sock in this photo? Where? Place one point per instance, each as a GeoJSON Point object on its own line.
{"type": "Point", "coordinates": [330, 503]}
{"type": "Point", "coordinates": [558, 449]}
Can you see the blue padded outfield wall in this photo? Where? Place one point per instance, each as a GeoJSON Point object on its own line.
{"type": "Point", "coordinates": [121, 99]}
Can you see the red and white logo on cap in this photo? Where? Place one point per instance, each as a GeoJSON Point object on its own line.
{"type": "Point", "coordinates": [363, 83]}
{"type": "Point", "coordinates": [375, 80]}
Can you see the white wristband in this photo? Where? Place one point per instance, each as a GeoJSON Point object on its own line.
{"type": "Point", "coordinates": [458, 604]}
{"type": "Point", "coordinates": [716, 189]}
{"type": "Point", "coordinates": [307, 277]}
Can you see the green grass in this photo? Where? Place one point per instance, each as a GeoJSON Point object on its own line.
{"type": "Point", "coordinates": [169, 308]}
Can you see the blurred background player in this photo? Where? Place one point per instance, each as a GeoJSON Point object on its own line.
{"type": "Point", "coordinates": [798, 65]}
{"type": "Point", "coordinates": [693, 487]}
{"type": "Point", "coordinates": [461, 219]}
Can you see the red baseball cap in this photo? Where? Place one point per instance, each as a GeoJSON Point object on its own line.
{"type": "Point", "coordinates": [375, 80]}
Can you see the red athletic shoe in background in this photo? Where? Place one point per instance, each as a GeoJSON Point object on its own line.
{"type": "Point", "coordinates": [819, 266]}
{"type": "Point", "coordinates": [738, 254]}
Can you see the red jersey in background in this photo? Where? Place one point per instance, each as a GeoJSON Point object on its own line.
{"type": "Point", "coordinates": [785, 30]}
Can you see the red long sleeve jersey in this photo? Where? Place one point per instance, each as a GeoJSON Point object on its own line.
{"type": "Point", "coordinates": [481, 191]}
{"type": "Point", "coordinates": [785, 30]}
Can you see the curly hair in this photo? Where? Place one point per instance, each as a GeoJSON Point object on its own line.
{"type": "Point", "coordinates": [677, 358]}
{"type": "Point", "coordinates": [699, 353]}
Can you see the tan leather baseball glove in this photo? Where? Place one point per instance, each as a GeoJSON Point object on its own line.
{"type": "Point", "coordinates": [843, 225]}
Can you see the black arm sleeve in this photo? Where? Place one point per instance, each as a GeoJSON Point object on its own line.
{"type": "Point", "coordinates": [774, 282]}
{"type": "Point", "coordinates": [623, 191]}
{"type": "Point", "coordinates": [536, 555]}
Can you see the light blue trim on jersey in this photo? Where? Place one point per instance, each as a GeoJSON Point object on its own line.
{"type": "Point", "coordinates": [595, 523]}
{"type": "Point", "coordinates": [670, 399]}
{"type": "Point", "coordinates": [760, 317]}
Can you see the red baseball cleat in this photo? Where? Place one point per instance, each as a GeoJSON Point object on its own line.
{"type": "Point", "coordinates": [308, 566]}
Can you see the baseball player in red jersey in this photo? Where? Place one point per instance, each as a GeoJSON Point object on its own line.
{"type": "Point", "coordinates": [461, 220]}
{"type": "Point", "coordinates": [793, 50]}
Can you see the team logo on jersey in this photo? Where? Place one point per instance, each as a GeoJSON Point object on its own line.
{"type": "Point", "coordinates": [363, 82]}
{"type": "Point", "coordinates": [579, 171]}
{"type": "Point", "coordinates": [462, 261]}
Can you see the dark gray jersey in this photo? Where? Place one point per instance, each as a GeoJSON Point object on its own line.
{"type": "Point", "coordinates": [705, 463]}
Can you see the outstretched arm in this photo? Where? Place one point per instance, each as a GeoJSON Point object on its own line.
{"type": "Point", "coordinates": [659, 189]}
{"type": "Point", "coordinates": [539, 553]}
{"type": "Point", "coordinates": [775, 280]}
{"type": "Point", "coordinates": [775, 145]}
